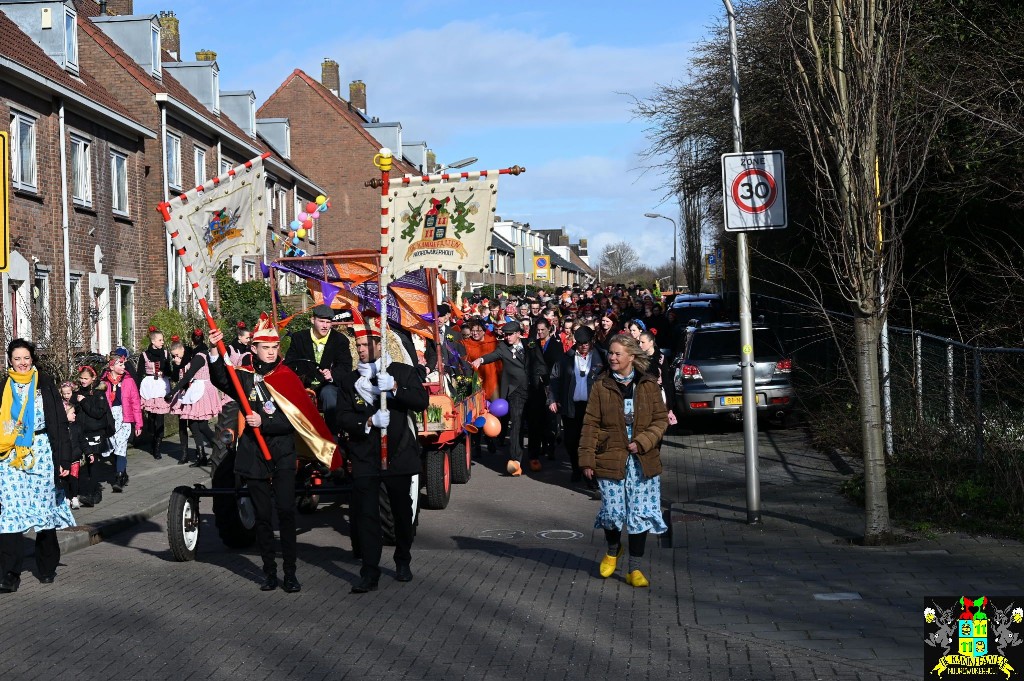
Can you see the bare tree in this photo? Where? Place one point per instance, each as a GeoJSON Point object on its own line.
{"type": "Point", "coordinates": [868, 142]}
{"type": "Point", "coordinates": [618, 259]}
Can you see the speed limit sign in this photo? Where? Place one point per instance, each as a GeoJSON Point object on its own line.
{"type": "Point", "coordinates": [754, 191]}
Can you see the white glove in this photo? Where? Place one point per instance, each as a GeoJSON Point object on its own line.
{"type": "Point", "coordinates": [385, 382]}
{"type": "Point", "coordinates": [366, 390]}
{"type": "Point", "coordinates": [366, 369]}
{"type": "Point", "coordinates": [381, 419]}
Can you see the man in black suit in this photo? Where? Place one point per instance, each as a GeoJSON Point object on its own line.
{"type": "Point", "coordinates": [543, 424]}
{"type": "Point", "coordinates": [521, 369]}
{"type": "Point", "coordinates": [325, 349]}
{"type": "Point", "coordinates": [360, 415]}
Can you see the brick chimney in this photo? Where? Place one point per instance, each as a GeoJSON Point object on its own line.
{"type": "Point", "coordinates": [170, 40]}
{"type": "Point", "coordinates": [330, 76]}
{"type": "Point", "coordinates": [121, 8]}
{"type": "Point", "coordinates": [357, 95]}
{"type": "Point", "coordinates": [206, 55]}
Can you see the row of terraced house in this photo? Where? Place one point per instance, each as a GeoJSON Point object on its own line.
{"type": "Point", "coordinates": [106, 121]}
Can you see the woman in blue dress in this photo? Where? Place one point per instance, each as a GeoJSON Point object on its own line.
{"type": "Point", "coordinates": [620, 446]}
{"type": "Point", "coordinates": [30, 498]}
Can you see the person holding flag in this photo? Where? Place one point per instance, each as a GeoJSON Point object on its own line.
{"type": "Point", "coordinates": [288, 419]}
{"type": "Point", "coordinates": [359, 414]}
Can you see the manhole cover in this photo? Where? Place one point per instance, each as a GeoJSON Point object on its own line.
{"type": "Point", "coordinates": [561, 535]}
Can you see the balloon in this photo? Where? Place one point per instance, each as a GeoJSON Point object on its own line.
{"type": "Point", "coordinates": [301, 217]}
{"type": "Point", "coordinates": [321, 200]}
{"type": "Point", "coordinates": [324, 207]}
{"type": "Point", "coordinates": [492, 426]}
{"type": "Point", "coordinates": [301, 233]}
{"type": "Point", "coordinates": [480, 421]}
{"type": "Point", "coordinates": [310, 207]}
{"type": "Point", "coordinates": [308, 224]}
{"type": "Point", "coordinates": [295, 224]}
{"type": "Point", "coordinates": [295, 241]}
{"type": "Point", "coordinates": [499, 407]}
{"type": "Point", "coordinates": [315, 215]}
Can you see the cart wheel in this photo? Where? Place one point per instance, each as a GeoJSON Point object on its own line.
{"type": "Point", "coordinates": [183, 525]}
{"type": "Point", "coordinates": [387, 516]}
{"type": "Point", "coordinates": [308, 504]}
{"type": "Point", "coordinates": [462, 462]}
{"type": "Point", "coordinates": [234, 516]}
{"type": "Point", "coordinates": [439, 479]}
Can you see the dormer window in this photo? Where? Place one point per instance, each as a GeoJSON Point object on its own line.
{"type": "Point", "coordinates": [70, 38]}
{"type": "Point", "coordinates": [154, 42]}
{"type": "Point", "coordinates": [216, 91]}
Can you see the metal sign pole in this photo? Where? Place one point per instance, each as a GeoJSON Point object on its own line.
{"type": "Point", "coordinates": [746, 320]}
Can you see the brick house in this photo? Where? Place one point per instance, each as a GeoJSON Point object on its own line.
{"type": "Point", "coordinates": [77, 208]}
{"type": "Point", "coordinates": [332, 141]}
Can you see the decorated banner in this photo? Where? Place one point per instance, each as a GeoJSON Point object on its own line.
{"type": "Point", "coordinates": [222, 218]}
{"type": "Point", "coordinates": [444, 225]}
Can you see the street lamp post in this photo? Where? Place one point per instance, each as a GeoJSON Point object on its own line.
{"type": "Point", "coordinates": [461, 163]}
{"type": "Point", "coordinates": [675, 241]}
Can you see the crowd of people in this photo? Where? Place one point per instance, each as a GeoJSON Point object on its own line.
{"type": "Point", "coordinates": [587, 368]}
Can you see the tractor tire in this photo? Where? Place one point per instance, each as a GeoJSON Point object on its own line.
{"type": "Point", "coordinates": [183, 525]}
{"type": "Point", "coordinates": [234, 517]}
{"type": "Point", "coordinates": [462, 461]}
{"type": "Point", "coordinates": [439, 479]}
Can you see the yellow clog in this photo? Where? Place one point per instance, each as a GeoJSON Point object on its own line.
{"type": "Point", "coordinates": [609, 562]}
{"type": "Point", "coordinates": [637, 579]}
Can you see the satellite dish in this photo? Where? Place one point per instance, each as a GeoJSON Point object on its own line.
{"type": "Point", "coordinates": [97, 259]}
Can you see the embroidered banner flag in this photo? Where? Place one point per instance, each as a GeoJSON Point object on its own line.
{"type": "Point", "coordinates": [444, 225]}
{"type": "Point", "coordinates": [224, 217]}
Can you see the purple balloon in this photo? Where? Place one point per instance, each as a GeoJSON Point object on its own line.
{"type": "Point", "coordinates": [499, 407]}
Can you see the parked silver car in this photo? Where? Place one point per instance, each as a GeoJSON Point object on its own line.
{"type": "Point", "coordinates": [708, 377]}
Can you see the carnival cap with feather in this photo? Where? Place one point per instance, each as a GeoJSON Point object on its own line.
{"type": "Point", "coordinates": [265, 331]}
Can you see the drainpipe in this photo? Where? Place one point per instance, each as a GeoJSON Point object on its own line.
{"type": "Point", "coordinates": [64, 218]}
{"type": "Point", "coordinates": [161, 99]}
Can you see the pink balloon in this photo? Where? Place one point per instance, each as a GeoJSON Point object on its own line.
{"type": "Point", "coordinates": [302, 217]}
{"type": "Point", "coordinates": [315, 215]}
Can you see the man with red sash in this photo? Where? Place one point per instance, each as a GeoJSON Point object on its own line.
{"type": "Point", "coordinates": [289, 421]}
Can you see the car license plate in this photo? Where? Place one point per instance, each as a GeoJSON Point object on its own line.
{"type": "Point", "coordinates": [731, 400]}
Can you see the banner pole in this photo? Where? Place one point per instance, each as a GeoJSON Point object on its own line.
{"type": "Point", "coordinates": [383, 161]}
{"type": "Point", "coordinates": [164, 210]}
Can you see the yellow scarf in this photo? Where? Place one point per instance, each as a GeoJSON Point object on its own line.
{"type": "Point", "coordinates": [13, 429]}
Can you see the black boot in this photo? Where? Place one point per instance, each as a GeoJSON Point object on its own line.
{"type": "Point", "coordinates": [201, 458]}
{"type": "Point", "coordinates": [156, 449]}
{"type": "Point", "coordinates": [184, 455]}
{"type": "Point", "coordinates": [120, 480]}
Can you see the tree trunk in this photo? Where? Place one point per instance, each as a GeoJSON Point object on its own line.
{"type": "Point", "coordinates": [876, 500]}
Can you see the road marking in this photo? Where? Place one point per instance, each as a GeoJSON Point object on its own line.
{"type": "Point", "coordinates": [838, 596]}
{"type": "Point", "coordinates": [560, 535]}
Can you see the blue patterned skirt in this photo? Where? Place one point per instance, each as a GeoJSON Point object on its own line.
{"type": "Point", "coordinates": [30, 499]}
{"type": "Point", "coordinates": [633, 503]}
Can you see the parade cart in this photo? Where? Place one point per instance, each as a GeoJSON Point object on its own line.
{"type": "Point", "coordinates": [442, 429]}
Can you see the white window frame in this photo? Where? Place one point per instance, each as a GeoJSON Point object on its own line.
{"type": "Point", "coordinates": [225, 166]}
{"type": "Point", "coordinates": [119, 301]}
{"type": "Point", "coordinates": [199, 165]}
{"type": "Point", "coordinates": [74, 331]}
{"type": "Point", "coordinates": [81, 170]}
{"type": "Point", "coordinates": [21, 137]}
{"type": "Point", "coordinates": [154, 46]}
{"type": "Point", "coordinates": [282, 210]}
{"type": "Point", "coordinates": [119, 186]}
{"type": "Point", "coordinates": [172, 150]}
{"type": "Point", "coordinates": [40, 296]}
{"type": "Point", "coordinates": [70, 39]}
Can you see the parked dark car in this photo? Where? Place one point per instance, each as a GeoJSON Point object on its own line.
{"type": "Point", "coordinates": [708, 376]}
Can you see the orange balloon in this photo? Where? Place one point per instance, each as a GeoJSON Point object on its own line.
{"type": "Point", "coordinates": [492, 426]}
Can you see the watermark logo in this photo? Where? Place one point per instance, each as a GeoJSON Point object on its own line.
{"type": "Point", "coordinates": [973, 636]}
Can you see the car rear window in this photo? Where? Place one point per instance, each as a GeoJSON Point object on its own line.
{"type": "Point", "coordinates": [725, 344]}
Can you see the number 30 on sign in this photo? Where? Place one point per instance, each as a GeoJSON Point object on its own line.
{"type": "Point", "coordinates": [754, 191]}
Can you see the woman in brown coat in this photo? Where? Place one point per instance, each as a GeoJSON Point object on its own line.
{"type": "Point", "coordinates": [626, 419]}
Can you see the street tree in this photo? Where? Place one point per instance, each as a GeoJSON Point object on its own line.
{"type": "Point", "coordinates": [618, 259]}
{"type": "Point", "coordinates": [868, 140]}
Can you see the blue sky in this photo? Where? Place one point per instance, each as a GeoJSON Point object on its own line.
{"type": "Point", "coordinates": [546, 85]}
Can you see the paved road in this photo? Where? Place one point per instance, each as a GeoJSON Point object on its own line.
{"type": "Point", "coordinates": [505, 588]}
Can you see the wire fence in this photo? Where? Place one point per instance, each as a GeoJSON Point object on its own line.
{"type": "Point", "coordinates": [940, 390]}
